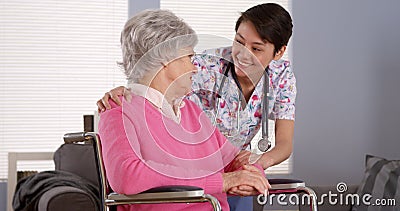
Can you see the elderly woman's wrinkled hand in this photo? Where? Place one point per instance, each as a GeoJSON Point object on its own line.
{"type": "Point", "coordinates": [246, 182]}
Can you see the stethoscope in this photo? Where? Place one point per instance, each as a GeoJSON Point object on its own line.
{"type": "Point", "coordinates": [264, 144]}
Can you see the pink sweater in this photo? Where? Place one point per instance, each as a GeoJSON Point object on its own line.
{"type": "Point", "coordinates": [143, 149]}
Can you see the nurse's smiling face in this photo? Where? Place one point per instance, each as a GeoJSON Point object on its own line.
{"type": "Point", "coordinates": [250, 52]}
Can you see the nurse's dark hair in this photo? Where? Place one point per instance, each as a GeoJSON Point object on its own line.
{"type": "Point", "coordinates": [272, 22]}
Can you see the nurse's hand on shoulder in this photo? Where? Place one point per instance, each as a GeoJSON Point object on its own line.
{"type": "Point", "coordinates": [113, 94]}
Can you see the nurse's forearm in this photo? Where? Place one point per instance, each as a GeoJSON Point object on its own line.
{"type": "Point", "coordinates": [275, 156]}
{"type": "Point", "coordinates": [284, 130]}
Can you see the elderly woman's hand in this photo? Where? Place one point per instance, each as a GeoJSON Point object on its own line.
{"type": "Point", "coordinates": [246, 182]}
{"type": "Point", "coordinates": [114, 94]}
{"type": "Point", "coordinates": [243, 190]}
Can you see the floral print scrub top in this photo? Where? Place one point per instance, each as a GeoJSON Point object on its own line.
{"type": "Point", "coordinates": [237, 121]}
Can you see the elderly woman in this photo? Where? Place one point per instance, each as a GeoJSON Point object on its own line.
{"type": "Point", "coordinates": [158, 137]}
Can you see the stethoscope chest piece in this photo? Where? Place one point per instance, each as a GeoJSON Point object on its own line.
{"type": "Point", "coordinates": [264, 144]}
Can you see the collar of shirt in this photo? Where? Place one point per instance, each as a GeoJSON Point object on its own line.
{"type": "Point", "coordinates": [159, 101]}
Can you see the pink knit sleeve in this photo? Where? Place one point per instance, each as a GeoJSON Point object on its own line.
{"type": "Point", "coordinates": [126, 173]}
{"type": "Point", "coordinates": [229, 150]}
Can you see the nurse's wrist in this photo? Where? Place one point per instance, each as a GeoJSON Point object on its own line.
{"type": "Point", "coordinates": [266, 161]}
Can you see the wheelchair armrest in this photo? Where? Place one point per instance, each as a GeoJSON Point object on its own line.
{"type": "Point", "coordinates": [162, 192]}
{"type": "Point", "coordinates": [173, 188]}
{"type": "Point", "coordinates": [70, 138]}
{"type": "Point", "coordinates": [283, 184]}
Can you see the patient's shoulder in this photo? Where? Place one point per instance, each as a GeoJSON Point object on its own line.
{"type": "Point", "coordinates": [191, 106]}
{"type": "Point", "coordinates": [113, 104]}
{"type": "Point", "coordinates": [115, 111]}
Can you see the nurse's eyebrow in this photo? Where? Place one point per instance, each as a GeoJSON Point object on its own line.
{"type": "Point", "coordinates": [255, 43]}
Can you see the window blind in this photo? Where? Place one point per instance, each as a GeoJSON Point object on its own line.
{"type": "Point", "coordinates": [57, 58]}
{"type": "Point", "coordinates": [218, 18]}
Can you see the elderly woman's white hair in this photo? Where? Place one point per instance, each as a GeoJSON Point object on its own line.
{"type": "Point", "coordinates": [153, 38]}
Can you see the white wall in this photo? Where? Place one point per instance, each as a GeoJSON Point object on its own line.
{"type": "Point", "coordinates": [136, 6]}
{"type": "Point", "coordinates": [346, 58]}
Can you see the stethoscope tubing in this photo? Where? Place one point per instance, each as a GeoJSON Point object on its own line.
{"type": "Point", "coordinates": [265, 104]}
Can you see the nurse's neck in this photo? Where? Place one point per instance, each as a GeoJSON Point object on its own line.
{"type": "Point", "coordinates": [248, 84]}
